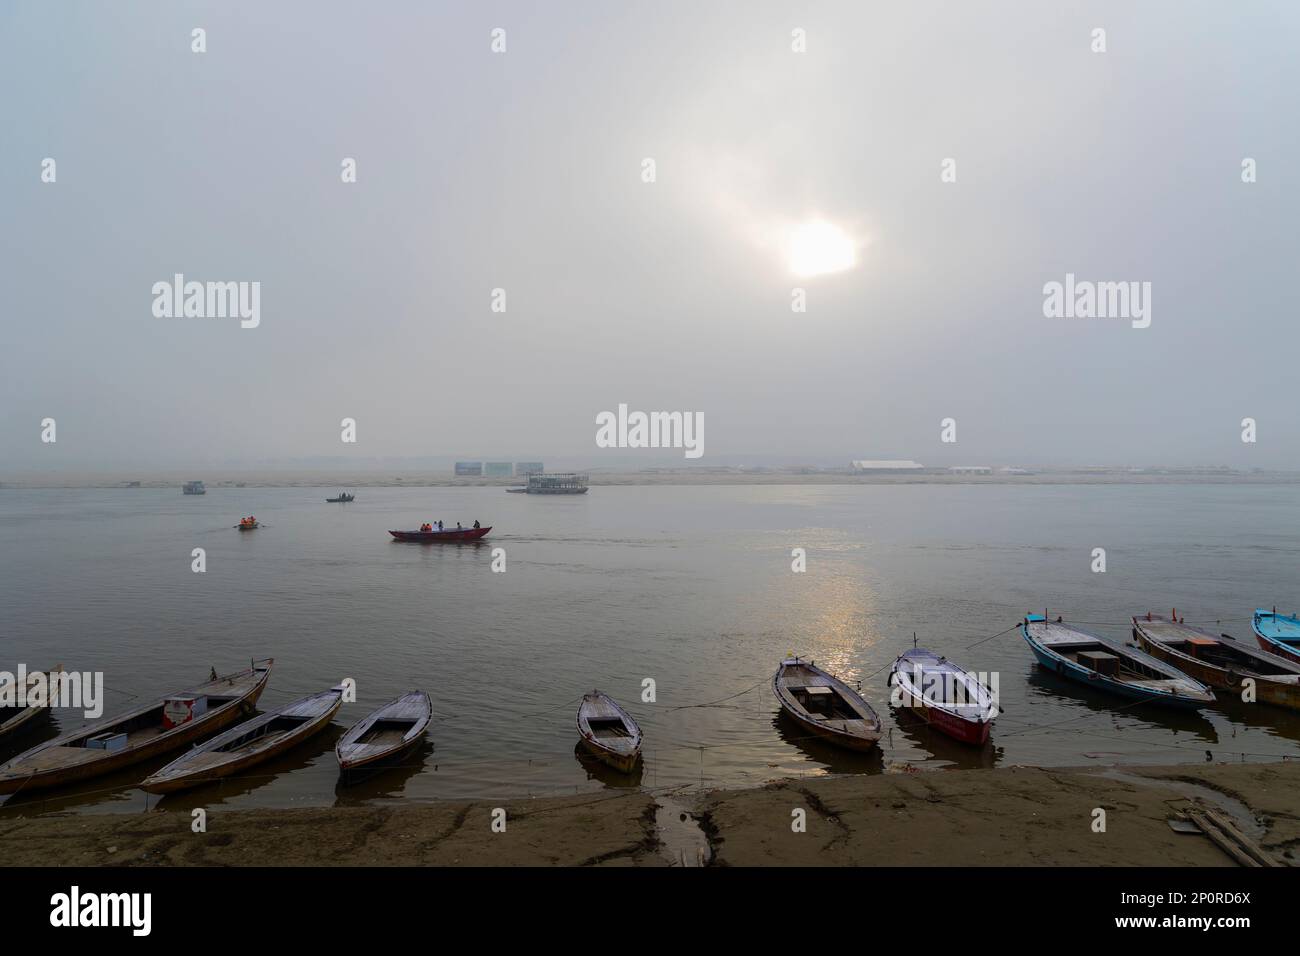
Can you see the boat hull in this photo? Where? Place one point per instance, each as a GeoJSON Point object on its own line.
{"type": "Point", "coordinates": [385, 759]}
{"type": "Point", "coordinates": [1081, 675]}
{"type": "Point", "coordinates": [254, 757]}
{"type": "Point", "coordinates": [604, 709]}
{"type": "Point", "coordinates": [974, 732]}
{"type": "Point", "coordinates": [1263, 623]}
{"type": "Point", "coordinates": [838, 738]}
{"type": "Point", "coordinates": [441, 537]}
{"type": "Point", "coordinates": [174, 739]}
{"type": "Point", "coordinates": [356, 752]}
{"type": "Point", "coordinates": [865, 721]}
{"type": "Point", "coordinates": [624, 763]}
{"type": "Point", "coordinates": [1225, 679]}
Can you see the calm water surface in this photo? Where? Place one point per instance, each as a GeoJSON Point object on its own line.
{"type": "Point", "coordinates": [689, 586]}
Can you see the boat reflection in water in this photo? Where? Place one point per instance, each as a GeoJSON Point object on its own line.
{"type": "Point", "coordinates": [601, 772]}
{"type": "Point", "coordinates": [938, 746]}
{"type": "Point", "coordinates": [1043, 684]}
{"type": "Point", "coordinates": [816, 750]}
{"type": "Point", "coordinates": [359, 787]}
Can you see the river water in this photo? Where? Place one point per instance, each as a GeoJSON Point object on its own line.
{"type": "Point", "coordinates": [689, 587]}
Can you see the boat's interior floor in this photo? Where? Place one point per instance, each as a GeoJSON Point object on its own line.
{"type": "Point", "coordinates": [382, 737]}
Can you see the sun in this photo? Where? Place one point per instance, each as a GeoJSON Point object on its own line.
{"type": "Point", "coordinates": [819, 247]}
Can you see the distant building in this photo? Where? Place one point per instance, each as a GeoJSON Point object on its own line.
{"type": "Point", "coordinates": [1015, 471]}
{"type": "Point", "coordinates": [885, 465]}
{"type": "Point", "coordinates": [498, 469]}
{"type": "Point", "coordinates": [523, 468]}
{"type": "Point", "coordinates": [469, 468]}
{"type": "Point", "coordinates": [971, 470]}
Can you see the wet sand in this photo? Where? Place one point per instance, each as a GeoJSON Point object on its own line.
{"type": "Point", "coordinates": [1005, 817]}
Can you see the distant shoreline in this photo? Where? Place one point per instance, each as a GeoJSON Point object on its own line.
{"type": "Point", "coordinates": [220, 479]}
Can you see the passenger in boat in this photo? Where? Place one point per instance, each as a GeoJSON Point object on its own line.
{"type": "Point", "coordinates": [476, 524]}
{"type": "Point", "coordinates": [439, 525]}
{"type": "Point", "coordinates": [458, 527]}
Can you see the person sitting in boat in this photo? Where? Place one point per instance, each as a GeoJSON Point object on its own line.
{"type": "Point", "coordinates": [476, 524]}
{"type": "Point", "coordinates": [458, 527]}
{"type": "Point", "coordinates": [439, 525]}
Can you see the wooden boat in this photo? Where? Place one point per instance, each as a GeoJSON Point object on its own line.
{"type": "Point", "coordinates": [608, 732]}
{"type": "Point", "coordinates": [1277, 633]}
{"type": "Point", "coordinates": [386, 734]}
{"type": "Point", "coordinates": [1219, 661]}
{"type": "Point", "coordinates": [15, 718]}
{"type": "Point", "coordinates": [1110, 665]}
{"type": "Point", "coordinates": [950, 699]}
{"type": "Point", "coordinates": [141, 734]}
{"type": "Point", "coordinates": [825, 705]}
{"type": "Point", "coordinates": [343, 498]}
{"type": "Point", "coordinates": [447, 534]}
{"type": "Point", "coordinates": [248, 744]}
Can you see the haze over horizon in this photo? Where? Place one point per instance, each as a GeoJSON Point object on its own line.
{"type": "Point", "coordinates": [523, 171]}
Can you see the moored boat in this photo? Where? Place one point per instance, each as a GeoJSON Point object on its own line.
{"type": "Point", "coordinates": [248, 744]}
{"type": "Point", "coordinates": [386, 734]}
{"type": "Point", "coordinates": [17, 707]}
{"type": "Point", "coordinates": [1219, 661]}
{"type": "Point", "coordinates": [608, 731]}
{"type": "Point", "coordinates": [1277, 633]}
{"type": "Point", "coordinates": [946, 696]}
{"type": "Point", "coordinates": [824, 705]}
{"type": "Point", "coordinates": [447, 534]}
{"type": "Point", "coordinates": [1110, 665]}
{"type": "Point", "coordinates": [141, 734]}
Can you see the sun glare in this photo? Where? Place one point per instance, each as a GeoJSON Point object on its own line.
{"type": "Point", "coordinates": [819, 247]}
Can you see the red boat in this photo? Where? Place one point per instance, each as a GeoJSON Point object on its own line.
{"type": "Point", "coordinates": [447, 534]}
{"type": "Point", "coordinates": [950, 699]}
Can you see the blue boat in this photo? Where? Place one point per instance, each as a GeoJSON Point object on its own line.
{"type": "Point", "coordinates": [1110, 665]}
{"type": "Point", "coordinates": [1278, 633]}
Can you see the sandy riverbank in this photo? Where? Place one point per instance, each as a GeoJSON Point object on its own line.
{"type": "Point", "coordinates": [1008, 816]}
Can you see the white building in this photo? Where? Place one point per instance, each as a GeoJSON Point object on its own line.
{"type": "Point", "coordinates": [887, 465]}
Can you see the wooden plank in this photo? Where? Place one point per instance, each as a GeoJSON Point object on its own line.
{"type": "Point", "coordinates": [1221, 839]}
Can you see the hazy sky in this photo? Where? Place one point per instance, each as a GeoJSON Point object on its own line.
{"type": "Point", "coordinates": [523, 170]}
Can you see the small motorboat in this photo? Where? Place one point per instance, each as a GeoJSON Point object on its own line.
{"type": "Point", "coordinates": [248, 744]}
{"type": "Point", "coordinates": [1219, 661]}
{"type": "Point", "coordinates": [141, 734]}
{"type": "Point", "coordinates": [1110, 665]}
{"type": "Point", "coordinates": [447, 534]}
{"type": "Point", "coordinates": [608, 732]}
{"type": "Point", "coordinates": [24, 709]}
{"type": "Point", "coordinates": [1277, 633]}
{"type": "Point", "coordinates": [946, 696]}
{"type": "Point", "coordinates": [824, 705]}
{"type": "Point", "coordinates": [343, 498]}
{"type": "Point", "coordinates": [386, 734]}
